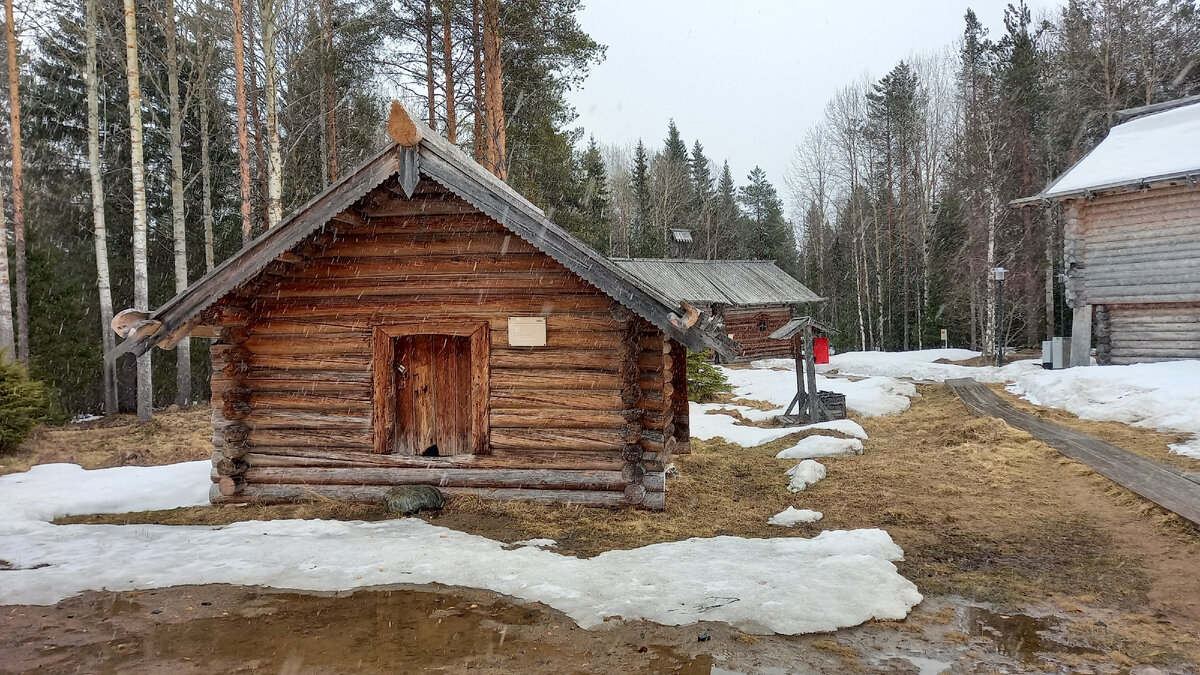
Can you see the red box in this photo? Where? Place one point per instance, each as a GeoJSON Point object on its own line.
{"type": "Point", "coordinates": [821, 350]}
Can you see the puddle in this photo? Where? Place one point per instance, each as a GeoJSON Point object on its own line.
{"type": "Point", "coordinates": [222, 629]}
{"type": "Point", "coordinates": [1019, 636]}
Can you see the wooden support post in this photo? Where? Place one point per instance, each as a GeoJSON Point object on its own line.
{"type": "Point", "coordinates": [1081, 336]}
{"type": "Point", "coordinates": [810, 372]}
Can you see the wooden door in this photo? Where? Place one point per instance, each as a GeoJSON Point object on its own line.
{"type": "Point", "coordinates": [433, 402]}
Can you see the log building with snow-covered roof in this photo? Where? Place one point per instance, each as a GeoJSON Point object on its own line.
{"type": "Point", "coordinates": [419, 322]}
{"type": "Point", "coordinates": [1132, 238]}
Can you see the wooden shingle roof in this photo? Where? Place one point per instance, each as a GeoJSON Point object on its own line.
{"type": "Point", "coordinates": [431, 156]}
{"type": "Point", "coordinates": [738, 283]}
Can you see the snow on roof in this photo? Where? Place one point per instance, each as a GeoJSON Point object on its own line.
{"type": "Point", "coordinates": [1159, 146]}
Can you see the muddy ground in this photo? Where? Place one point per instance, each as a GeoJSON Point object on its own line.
{"type": "Point", "coordinates": [1029, 563]}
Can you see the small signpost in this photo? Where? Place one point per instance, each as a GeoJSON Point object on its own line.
{"type": "Point", "coordinates": [945, 341]}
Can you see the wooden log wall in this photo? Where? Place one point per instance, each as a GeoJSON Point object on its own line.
{"type": "Point", "coordinates": [743, 323]}
{"type": "Point", "coordinates": [1154, 332]}
{"type": "Point", "coordinates": [1137, 256]}
{"type": "Point", "coordinates": [1142, 247]}
{"type": "Point", "coordinates": [292, 376]}
{"type": "Point", "coordinates": [648, 459]}
{"type": "Point", "coordinates": [679, 397]}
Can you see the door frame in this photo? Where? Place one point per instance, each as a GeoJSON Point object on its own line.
{"type": "Point", "coordinates": [383, 364]}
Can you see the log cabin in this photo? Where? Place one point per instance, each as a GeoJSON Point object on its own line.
{"type": "Point", "coordinates": [750, 298]}
{"type": "Point", "coordinates": [419, 322]}
{"type": "Point", "coordinates": [1132, 238]}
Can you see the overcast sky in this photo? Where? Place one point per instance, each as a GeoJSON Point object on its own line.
{"type": "Point", "coordinates": [747, 78]}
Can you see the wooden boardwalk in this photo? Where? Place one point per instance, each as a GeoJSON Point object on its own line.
{"type": "Point", "coordinates": [1152, 480]}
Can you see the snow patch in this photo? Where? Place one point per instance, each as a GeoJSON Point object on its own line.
{"type": "Point", "coordinates": [792, 516]}
{"type": "Point", "coordinates": [822, 446]}
{"type": "Point", "coordinates": [784, 585]}
{"type": "Point", "coordinates": [537, 543]}
{"type": "Point", "coordinates": [804, 474]}
{"type": "Point", "coordinates": [870, 397]}
{"type": "Point", "coordinates": [1163, 396]}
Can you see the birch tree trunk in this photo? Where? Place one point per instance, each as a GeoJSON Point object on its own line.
{"type": "Point", "coordinates": [239, 79]}
{"type": "Point", "coordinates": [206, 180]}
{"type": "Point", "coordinates": [255, 120]}
{"type": "Point", "coordinates": [268, 15]}
{"type": "Point", "coordinates": [493, 75]}
{"type": "Point", "coordinates": [141, 282]}
{"type": "Point", "coordinates": [448, 67]}
{"type": "Point", "coordinates": [18, 187]}
{"type": "Point", "coordinates": [7, 342]}
{"type": "Point", "coordinates": [477, 63]}
{"type": "Point", "coordinates": [183, 351]}
{"type": "Point", "coordinates": [95, 170]}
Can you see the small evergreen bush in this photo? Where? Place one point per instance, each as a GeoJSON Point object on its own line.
{"type": "Point", "coordinates": [704, 381]}
{"type": "Point", "coordinates": [24, 402]}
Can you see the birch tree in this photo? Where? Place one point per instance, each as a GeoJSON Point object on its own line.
{"type": "Point", "coordinates": [141, 279]}
{"type": "Point", "coordinates": [18, 187]}
{"type": "Point", "coordinates": [7, 346]}
{"type": "Point", "coordinates": [268, 13]}
{"type": "Point", "coordinates": [183, 351]}
{"type": "Point", "coordinates": [96, 172]}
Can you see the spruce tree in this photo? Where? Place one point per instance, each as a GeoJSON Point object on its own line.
{"type": "Point", "coordinates": [726, 240]}
{"type": "Point", "coordinates": [595, 210]}
{"type": "Point", "coordinates": [768, 233]}
{"type": "Point", "coordinates": [702, 202]}
{"type": "Point", "coordinates": [642, 244]}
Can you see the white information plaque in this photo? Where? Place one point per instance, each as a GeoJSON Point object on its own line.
{"type": "Point", "coordinates": [527, 331]}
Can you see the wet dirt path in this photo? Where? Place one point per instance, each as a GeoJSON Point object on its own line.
{"type": "Point", "coordinates": [232, 629]}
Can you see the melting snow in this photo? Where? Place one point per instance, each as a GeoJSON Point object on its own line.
{"type": "Point", "coordinates": [1163, 396]}
{"type": "Point", "coordinates": [792, 515]}
{"type": "Point", "coordinates": [537, 543]}
{"type": "Point", "coordinates": [804, 474]}
{"type": "Point", "coordinates": [787, 585]}
{"type": "Point", "coordinates": [822, 446]}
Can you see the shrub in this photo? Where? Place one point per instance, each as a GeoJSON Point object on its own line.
{"type": "Point", "coordinates": [24, 403]}
{"type": "Point", "coordinates": [704, 381]}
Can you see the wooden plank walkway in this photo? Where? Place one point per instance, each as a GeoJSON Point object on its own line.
{"type": "Point", "coordinates": [1152, 480]}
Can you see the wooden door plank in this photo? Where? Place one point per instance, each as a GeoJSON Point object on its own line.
{"type": "Point", "coordinates": [444, 394]}
{"type": "Point", "coordinates": [424, 405]}
{"type": "Point", "coordinates": [462, 395]}
{"type": "Point", "coordinates": [404, 442]}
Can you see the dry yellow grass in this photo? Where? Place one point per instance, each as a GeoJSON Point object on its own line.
{"type": "Point", "coordinates": [1146, 442]}
{"type": "Point", "coordinates": [176, 436]}
{"type": "Point", "coordinates": [981, 510]}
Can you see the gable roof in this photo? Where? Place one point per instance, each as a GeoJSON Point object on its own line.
{"type": "Point", "coordinates": [1159, 144]}
{"type": "Point", "coordinates": [730, 282]}
{"type": "Point", "coordinates": [443, 162]}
